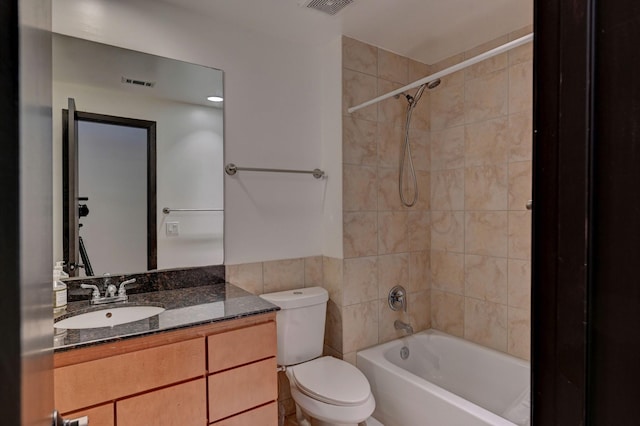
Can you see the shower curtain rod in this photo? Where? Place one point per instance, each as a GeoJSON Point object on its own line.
{"type": "Point", "coordinates": [464, 64]}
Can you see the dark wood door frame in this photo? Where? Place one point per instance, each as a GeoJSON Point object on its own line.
{"type": "Point", "coordinates": [586, 218]}
{"type": "Point", "coordinates": [562, 140]}
{"type": "Point", "coordinates": [150, 127]}
{"type": "Point", "coordinates": [10, 365]}
{"type": "Point", "coordinates": [614, 297]}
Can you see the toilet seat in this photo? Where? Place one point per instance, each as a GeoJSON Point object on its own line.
{"type": "Point", "coordinates": [331, 390]}
{"type": "Point", "coordinates": [331, 381]}
{"type": "Point", "coordinates": [333, 413]}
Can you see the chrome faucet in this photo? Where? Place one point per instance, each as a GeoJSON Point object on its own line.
{"type": "Point", "coordinates": [109, 291]}
{"type": "Point", "coordinates": [123, 291]}
{"type": "Point", "coordinates": [399, 325]}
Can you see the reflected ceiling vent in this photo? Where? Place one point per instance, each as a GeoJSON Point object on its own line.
{"type": "Point", "coordinates": [137, 82]}
{"type": "Point", "coordinates": [327, 6]}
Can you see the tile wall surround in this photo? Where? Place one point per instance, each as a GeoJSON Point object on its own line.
{"type": "Point", "coordinates": [385, 243]}
{"type": "Point", "coordinates": [464, 250]}
{"type": "Point", "coordinates": [480, 182]}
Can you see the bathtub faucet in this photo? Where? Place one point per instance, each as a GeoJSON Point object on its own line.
{"type": "Point", "coordinates": [399, 325]}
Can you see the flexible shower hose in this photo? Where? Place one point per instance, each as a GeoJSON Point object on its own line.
{"type": "Point", "coordinates": [406, 152]}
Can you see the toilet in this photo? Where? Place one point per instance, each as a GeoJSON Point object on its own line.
{"type": "Point", "coordinates": [327, 391]}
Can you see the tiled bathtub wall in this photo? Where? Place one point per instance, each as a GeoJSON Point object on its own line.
{"type": "Point", "coordinates": [385, 243]}
{"type": "Point", "coordinates": [463, 251]}
{"type": "Point", "coordinates": [480, 182]}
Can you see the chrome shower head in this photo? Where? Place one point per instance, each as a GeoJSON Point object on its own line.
{"type": "Point", "coordinates": [433, 84]}
{"type": "Point", "coordinates": [412, 99]}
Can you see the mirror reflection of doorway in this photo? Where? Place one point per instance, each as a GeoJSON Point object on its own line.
{"type": "Point", "coordinates": [114, 192]}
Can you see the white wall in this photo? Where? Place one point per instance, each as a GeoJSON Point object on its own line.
{"type": "Point", "coordinates": [332, 146]}
{"type": "Point", "coordinates": [112, 173]}
{"type": "Point", "coordinates": [189, 140]}
{"type": "Point", "coordinates": [274, 106]}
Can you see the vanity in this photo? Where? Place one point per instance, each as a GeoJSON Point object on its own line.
{"type": "Point", "coordinates": [209, 358]}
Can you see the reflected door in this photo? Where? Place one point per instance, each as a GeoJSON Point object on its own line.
{"type": "Point", "coordinates": [109, 193]}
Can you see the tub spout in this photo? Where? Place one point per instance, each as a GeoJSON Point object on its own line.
{"type": "Point", "coordinates": [399, 325]}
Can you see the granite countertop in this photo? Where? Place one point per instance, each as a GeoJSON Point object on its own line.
{"type": "Point", "coordinates": [185, 307]}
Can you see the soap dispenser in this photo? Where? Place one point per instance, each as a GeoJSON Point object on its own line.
{"type": "Point", "coordinates": [59, 289]}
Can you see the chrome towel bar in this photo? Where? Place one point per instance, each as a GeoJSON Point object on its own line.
{"type": "Point", "coordinates": [232, 169]}
{"type": "Point", "coordinates": [167, 210]}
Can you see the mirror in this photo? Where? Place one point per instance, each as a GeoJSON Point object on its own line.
{"type": "Point", "coordinates": [138, 160]}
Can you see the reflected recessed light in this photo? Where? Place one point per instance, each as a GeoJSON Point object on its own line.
{"type": "Point", "coordinates": [215, 99]}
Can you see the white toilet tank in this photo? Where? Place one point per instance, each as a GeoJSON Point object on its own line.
{"type": "Point", "coordinates": [300, 323]}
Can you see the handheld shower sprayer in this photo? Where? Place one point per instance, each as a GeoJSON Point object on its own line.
{"type": "Point", "coordinates": [406, 151]}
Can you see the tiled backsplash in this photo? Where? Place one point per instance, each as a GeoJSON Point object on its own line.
{"type": "Point", "coordinates": [277, 275]}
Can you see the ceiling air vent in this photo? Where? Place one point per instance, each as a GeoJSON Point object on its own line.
{"type": "Point", "coordinates": [137, 82]}
{"type": "Point", "coordinates": [327, 6]}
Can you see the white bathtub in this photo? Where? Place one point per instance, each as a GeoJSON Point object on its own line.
{"type": "Point", "coordinates": [446, 381]}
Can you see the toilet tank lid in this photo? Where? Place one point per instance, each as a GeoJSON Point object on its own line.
{"type": "Point", "coordinates": [297, 298]}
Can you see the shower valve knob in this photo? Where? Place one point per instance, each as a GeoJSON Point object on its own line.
{"type": "Point", "coordinates": [398, 298]}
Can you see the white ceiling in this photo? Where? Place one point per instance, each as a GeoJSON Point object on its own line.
{"type": "Point", "coordinates": [425, 30]}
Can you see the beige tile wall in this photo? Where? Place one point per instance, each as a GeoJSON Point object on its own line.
{"type": "Point", "coordinates": [385, 243]}
{"type": "Point", "coordinates": [480, 182]}
{"type": "Point", "coordinates": [277, 275]}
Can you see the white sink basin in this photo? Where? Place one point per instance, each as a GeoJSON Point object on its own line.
{"type": "Point", "coordinates": [109, 317]}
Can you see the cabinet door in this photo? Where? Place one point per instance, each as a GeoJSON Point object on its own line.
{"type": "Point", "coordinates": [94, 382]}
{"type": "Point", "coordinates": [102, 415]}
{"type": "Point", "coordinates": [267, 415]}
{"type": "Point", "coordinates": [184, 404]}
{"type": "Point", "coordinates": [243, 346]}
{"type": "Point", "coordinates": [240, 389]}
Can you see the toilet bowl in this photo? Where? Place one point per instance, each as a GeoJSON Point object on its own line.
{"type": "Point", "coordinates": [329, 391]}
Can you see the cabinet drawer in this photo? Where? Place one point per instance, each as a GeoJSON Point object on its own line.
{"type": "Point", "coordinates": [98, 416]}
{"type": "Point", "coordinates": [184, 404]}
{"type": "Point", "coordinates": [238, 347]}
{"type": "Point", "coordinates": [267, 415]}
{"type": "Point", "coordinates": [93, 382]}
{"type": "Point", "coordinates": [242, 388]}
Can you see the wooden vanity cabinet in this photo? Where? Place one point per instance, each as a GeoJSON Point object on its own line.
{"type": "Point", "coordinates": [183, 404]}
{"type": "Point", "coordinates": [102, 415]}
{"type": "Point", "coordinates": [223, 374]}
{"type": "Point", "coordinates": [242, 363]}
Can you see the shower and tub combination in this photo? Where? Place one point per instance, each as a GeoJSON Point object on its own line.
{"type": "Point", "coordinates": [431, 378]}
